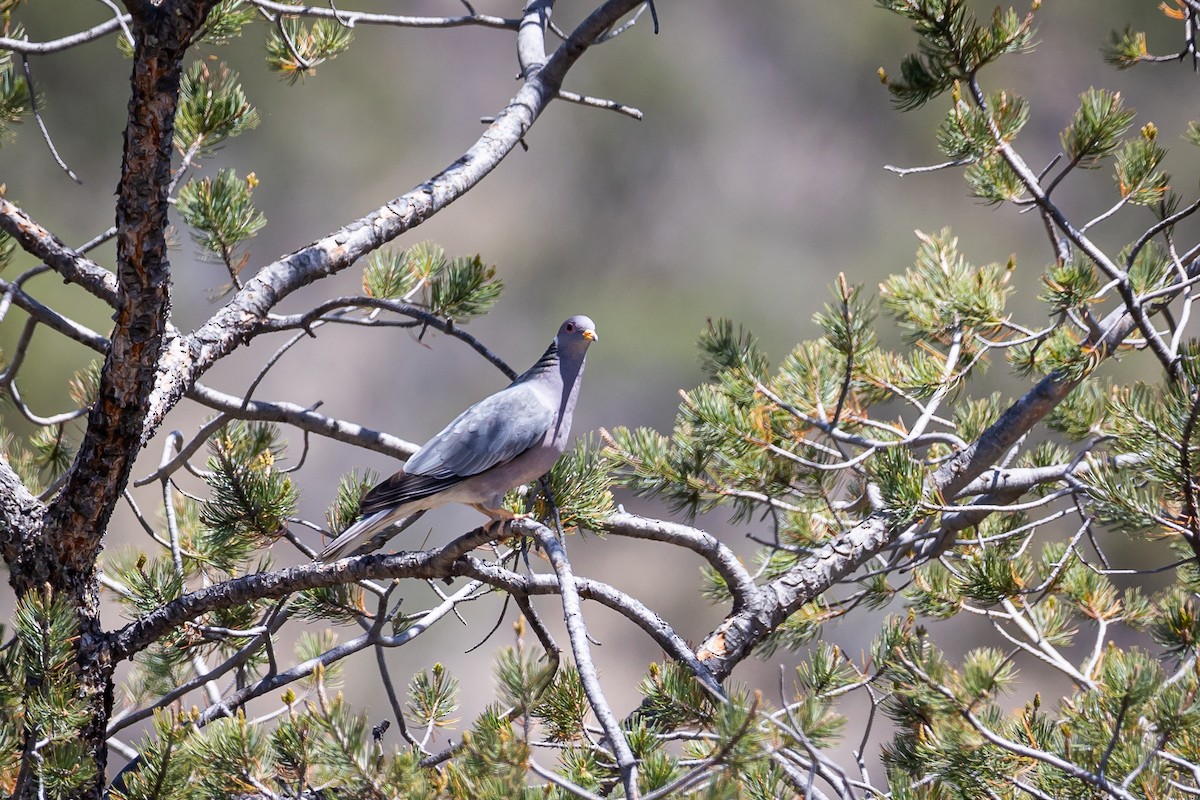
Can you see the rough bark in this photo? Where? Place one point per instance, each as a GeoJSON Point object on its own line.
{"type": "Point", "coordinates": [61, 552]}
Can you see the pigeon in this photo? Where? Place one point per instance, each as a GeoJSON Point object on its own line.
{"type": "Point", "coordinates": [501, 442]}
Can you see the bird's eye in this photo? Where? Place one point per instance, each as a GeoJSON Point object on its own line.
{"type": "Point", "coordinates": [570, 327]}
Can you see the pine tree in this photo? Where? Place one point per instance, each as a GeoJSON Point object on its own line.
{"type": "Point", "coordinates": [877, 482]}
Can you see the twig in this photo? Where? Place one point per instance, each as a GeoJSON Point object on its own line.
{"type": "Point", "coordinates": [719, 556]}
{"type": "Point", "coordinates": [386, 678]}
{"type": "Point", "coordinates": [37, 117]}
{"type": "Point", "coordinates": [184, 451]}
{"type": "Point", "coordinates": [903, 171]}
{"type": "Point", "coordinates": [574, 789]}
{"type": "Point", "coordinates": [124, 23]}
{"type": "Point", "coordinates": [599, 102]}
{"type": "Point", "coordinates": [1030, 181]}
{"type": "Point", "coordinates": [316, 315]}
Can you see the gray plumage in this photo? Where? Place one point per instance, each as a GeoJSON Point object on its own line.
{"type": "Point", "coordinates": [503, 441]}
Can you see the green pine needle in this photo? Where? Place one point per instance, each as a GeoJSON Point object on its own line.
{"type": "Point", "coordinates": [1096, 129]}
{"type": "Point", "coordinates": [251, 498]}
{"type": "Point", "coordinates": [563, 707]}
{"type": "Point", "coordinates": [432, 698]}
{"type": "Point", "coordinates": [901, 483]}
{"type": "Point", "coordinates": [222, 215]}
{"type": "Point", "coordinates": [225, 22]}
{"type": "Point", "coordinates": [295, 49]}
{"type": "Point", "coordinates": [458, 288]}
{"type": "Point", "coordinates": [466, 288]}
{"type": "Point", "coordinates": [722, 348]}
{"type": "Point", "coordinates": [350, 491]}
{"type": "Point", "coordinates": [1126, 48]}
{"type": "Point", "coordinates": [14, 96]}
{"type": "Point", "coordinates": [212, 106]}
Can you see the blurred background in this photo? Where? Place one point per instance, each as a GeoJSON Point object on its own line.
{"type": "Point", "coordinates": [755, 178]}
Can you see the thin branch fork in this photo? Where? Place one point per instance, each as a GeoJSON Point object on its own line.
{"type": "Point", "coordinates": [521, 586]}
{"type": "Point", "coordinates": [1032, 184]}
{"type": "Point", "coordinates": [306, 419]}
{"type": "Point", "coordinates": [52, 319]}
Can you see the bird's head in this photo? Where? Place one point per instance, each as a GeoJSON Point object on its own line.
{"type": "Point", "coordinates": [576, 333]}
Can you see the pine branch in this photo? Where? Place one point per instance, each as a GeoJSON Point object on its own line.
{"type": "Point", "coordinates": [430, 564]}
{"type": "Point", "coordinates": [735, 638]}
{"type": "Point", "coordinates": [305, 419]}
{"type": "Point", "coordinates": [722, 559]}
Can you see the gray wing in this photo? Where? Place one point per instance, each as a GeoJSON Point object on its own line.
{"type": "Point", "coordinates": [494, 430]}
{"type": "Point", "coordinates": [402, 488]}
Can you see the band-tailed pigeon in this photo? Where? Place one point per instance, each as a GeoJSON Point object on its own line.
{"type": "Point", "coordinates": [501, 442]}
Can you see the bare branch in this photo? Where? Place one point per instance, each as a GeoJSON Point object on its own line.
{"type": "Point", "coordinates": [145, 630]}
{"type": "Point", "coordinates": [53, 320]}
{"type": "Point", "coordinates": [577, 632]}
{"type": "Point", "coordinates": [704, 544]}
{"type": "Point", "coordinates": [26, 47]}
{"type": "Point", "coordinates": [41, 123]}
{"type": "Point", "coordinates": [425, 319]}
{"type": "Point", "coordinates": [600, 102]}
{"type": "Point", "coordinates": [38, 241]}
{"type": "Point", "coordinates": [353, 18]}
{"type": "Point", "coordinates": [306, 419]}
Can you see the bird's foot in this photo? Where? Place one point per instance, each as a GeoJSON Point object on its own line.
{"type": "Point", "coordinates": [500, 524]}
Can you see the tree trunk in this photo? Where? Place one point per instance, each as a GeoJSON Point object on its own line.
{"type": "Point", "coordinates": [62, 554]}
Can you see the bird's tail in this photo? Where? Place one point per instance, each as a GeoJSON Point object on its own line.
{"type": "Point", "coordinates": [367, 534]}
